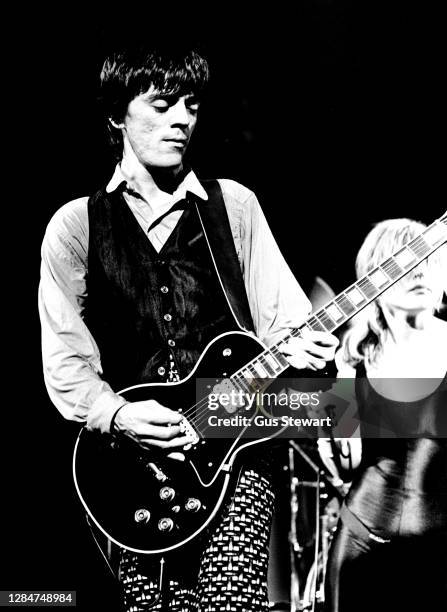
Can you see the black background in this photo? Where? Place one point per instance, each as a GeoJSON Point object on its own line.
{"type": "Point", "coordinates": [331, 114]}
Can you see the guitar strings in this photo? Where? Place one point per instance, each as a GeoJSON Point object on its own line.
{"type": "Point", "coordinates": [200, 408]}
{"type": "Point", "coordinates": [204, 401]}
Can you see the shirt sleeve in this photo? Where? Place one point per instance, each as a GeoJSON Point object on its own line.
{"type": "Point", "coordinates": [277, 302]}
{"type": "Point", "coordinates": [71, 360]}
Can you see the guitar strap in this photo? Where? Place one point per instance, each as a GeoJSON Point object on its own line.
{"type": "Point", "coordinates": [216, 227]}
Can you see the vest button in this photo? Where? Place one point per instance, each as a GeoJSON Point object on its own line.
{"type": "Point", "coordinates": [164, 289]}
{"type": "Point", "coordinates": [161, 370]}
{"type": "Point", "coordinates": [167, 317]}
{"type": "Point", "coordinates": [171, 342]}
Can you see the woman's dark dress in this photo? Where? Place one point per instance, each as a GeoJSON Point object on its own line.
{"type": "Point", "coordinates": [399, 495]}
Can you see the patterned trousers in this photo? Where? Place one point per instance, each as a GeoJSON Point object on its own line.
{"type": "Point", "coordinates": [229, 573]}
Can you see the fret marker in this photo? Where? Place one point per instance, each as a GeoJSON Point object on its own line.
{"type": "Point", "coordinates": [404, 258]}
{"type": "Point", "coordinates": [378, 278]}
{"type": "Point", "coordinates": [334, 312]}
{"type": "Point", "coordinates": [260, 370]}
{"type": "Point", "coordinates": [355, 296]}
{"type": "Point", "coordinates": [272, 362]}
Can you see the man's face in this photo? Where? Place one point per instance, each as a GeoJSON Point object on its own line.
{"type": "Point", "coordinates": [157, 128]}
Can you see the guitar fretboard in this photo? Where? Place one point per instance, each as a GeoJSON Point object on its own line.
{"type": "Point", "coordinates": [271, 362]}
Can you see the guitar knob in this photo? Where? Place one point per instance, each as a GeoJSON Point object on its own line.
{"type": "Point", "coordinates": [165, 524]}
{"type": "Point", "coordinates": [193, 504]}
{"type": "Point", "coordinates": [142, 516]}
{"type": "Point", "coordinates": [167, 493]}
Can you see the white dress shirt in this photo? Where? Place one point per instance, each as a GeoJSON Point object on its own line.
{"type": "Point", "coordinates": [71, 359]}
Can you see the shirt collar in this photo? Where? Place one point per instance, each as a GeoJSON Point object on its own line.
{"type": "Point", "coordinates": [190, 183]}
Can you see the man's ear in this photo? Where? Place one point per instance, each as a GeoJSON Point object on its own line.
{"type": "Point", "coordinates": [116, 125]}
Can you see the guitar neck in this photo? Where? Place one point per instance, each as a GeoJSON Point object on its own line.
{"type": "Point", "coordinates": [271, 362]}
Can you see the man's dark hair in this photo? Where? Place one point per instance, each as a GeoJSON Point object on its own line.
{"type": "Point", "coordinates": [127, 74]}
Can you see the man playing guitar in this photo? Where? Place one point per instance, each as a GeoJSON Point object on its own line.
{"type": "Point", "coordinates": [136, 281]}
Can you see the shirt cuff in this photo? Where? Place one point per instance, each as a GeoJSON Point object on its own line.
{"type": "Point", "coordinates": [103, 410]}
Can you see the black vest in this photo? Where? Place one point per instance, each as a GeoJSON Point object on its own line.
{"type": "Point", "coordinates": [144, 306]}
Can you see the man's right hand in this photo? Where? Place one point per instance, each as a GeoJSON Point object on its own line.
{"type": "Point", "coordinates": [150, 424]}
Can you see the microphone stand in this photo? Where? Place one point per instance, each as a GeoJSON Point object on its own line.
{"type": "Point", "coordinates": [296, 601]}
{"type": "Point", "coordinates": [294, 546]}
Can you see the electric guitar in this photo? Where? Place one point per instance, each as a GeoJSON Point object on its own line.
{"type": "Point", "coordinates": [152, 503]}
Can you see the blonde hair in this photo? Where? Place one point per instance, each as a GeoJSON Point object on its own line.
{"type": "Point", "coordinates": [364, 338]}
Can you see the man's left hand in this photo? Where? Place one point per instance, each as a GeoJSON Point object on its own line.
{"type": "Point", "coordinates": [311, 351]}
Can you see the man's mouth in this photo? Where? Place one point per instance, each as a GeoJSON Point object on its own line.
{"type": "Point", "coordinates": [179, 141]}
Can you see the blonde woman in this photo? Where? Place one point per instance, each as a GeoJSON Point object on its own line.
{"type": "Point", "coordinates": [390, 551]}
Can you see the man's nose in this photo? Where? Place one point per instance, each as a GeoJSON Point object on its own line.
{"type": "Point", "coordinates": [180, 114]}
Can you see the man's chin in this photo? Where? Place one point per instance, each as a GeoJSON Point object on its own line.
{"type": "Point", "coordinates": [170, 164]}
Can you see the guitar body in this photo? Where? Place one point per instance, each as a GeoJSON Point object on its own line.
{"type": "Point", "coordinates": [148, 502]}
